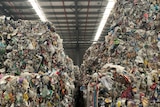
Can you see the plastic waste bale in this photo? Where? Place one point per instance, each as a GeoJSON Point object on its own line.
{"type": "Point", "coordinates": [132, 43]}
{"type": "Point", "coordinates": [34, 70]}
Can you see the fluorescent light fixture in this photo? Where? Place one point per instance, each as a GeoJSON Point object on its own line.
{"type": "Point", "coordinates": [106, 14]}
{"type": "Point", "coordinates": [38, 10]}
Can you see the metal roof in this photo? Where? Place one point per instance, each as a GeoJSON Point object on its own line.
{"type": "Point", "coordinates": [76, 21]}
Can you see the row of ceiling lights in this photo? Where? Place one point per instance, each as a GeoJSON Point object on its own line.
{"type": "Point", "coordinates": [108, 9]}
{"type": "Point", "coordinates": [38, 10]}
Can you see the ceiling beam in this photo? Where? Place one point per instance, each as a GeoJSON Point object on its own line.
{"type": "Point", "coordinates": [50, 18]}
{"type": "Point", "coordinates": [77, 33]}
{"type": "Point", "coordinates": [89, 22]}
{"type": "Point", "coordinates": [59, 13]}
{"type": "Point", "coordinates": [41, 0]}
{"type": "Point", "coordinates": [73, 18]}
{"type": "Point", "coordinates": [13, 0]}
{"type": "Point", "coordinates": [87, 31]}
{"type": "Point", "coordinates": [74, 39]}
{"type": "Point", "coordinates": [67, 37]}
{"type": "Point", "coordinates": [67, 50]}
{"type": "Point", "coordinates": [75, 42]}
{"type": "Point", "coordinates": [72, 13]}
{"type": "Point", "coordinates": [81, 25]}
{"type": "Point", "coordinates": [61, 18]}
{"type": "Point", "coordinates": [81, 7]}
{"type": "Point", "coordinates": [65, 34]}
{"type": "Point", "coordinates": [53, 13]}
{"type": "Point", "coordinates": [79, 28]}
{"type": "Point", "coordinates": [80, 39]}
{"type": "Point", "coordinates": [66, 18]}
{"type": "Point", "coordinates": [55, 7]}
{"type": "Point", "coordinates": [31, 18]}
{"type": "Point", "coordinates": [74, 47]}
{"type": "Point", "coordinates": [65, 0]}
{"type": "Point", "coordinates": [25, 13]}
{"type": "Point", "coordinates": [60, 26]}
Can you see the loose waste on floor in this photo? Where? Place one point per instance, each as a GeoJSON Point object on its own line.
{"type": "Point", "coordinates": [34, 70]}
{"type": "Point", "coordinates": [124, 70]}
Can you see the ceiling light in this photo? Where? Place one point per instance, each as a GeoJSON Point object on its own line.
{"type": "Point", "coordinates": [106, 14]}
{"type": "Point", "coordinates": [38, 10]}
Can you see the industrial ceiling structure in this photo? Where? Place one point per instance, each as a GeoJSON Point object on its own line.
{"type": "Point", "coordinates": [76, 21]}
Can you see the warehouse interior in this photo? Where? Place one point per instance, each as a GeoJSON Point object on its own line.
{"type": "Point", "coordinates": [76, 21]}
{"type": "Point", "coordinates": [79, 53]}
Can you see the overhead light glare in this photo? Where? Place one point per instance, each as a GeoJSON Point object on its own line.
{"type": "Point", "coordinates": [106, 14]}
{"type": "Point", "coordinates": [38, 10]}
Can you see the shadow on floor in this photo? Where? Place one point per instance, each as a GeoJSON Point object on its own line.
{"type": "Point", "coordinates": [78, 96]}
